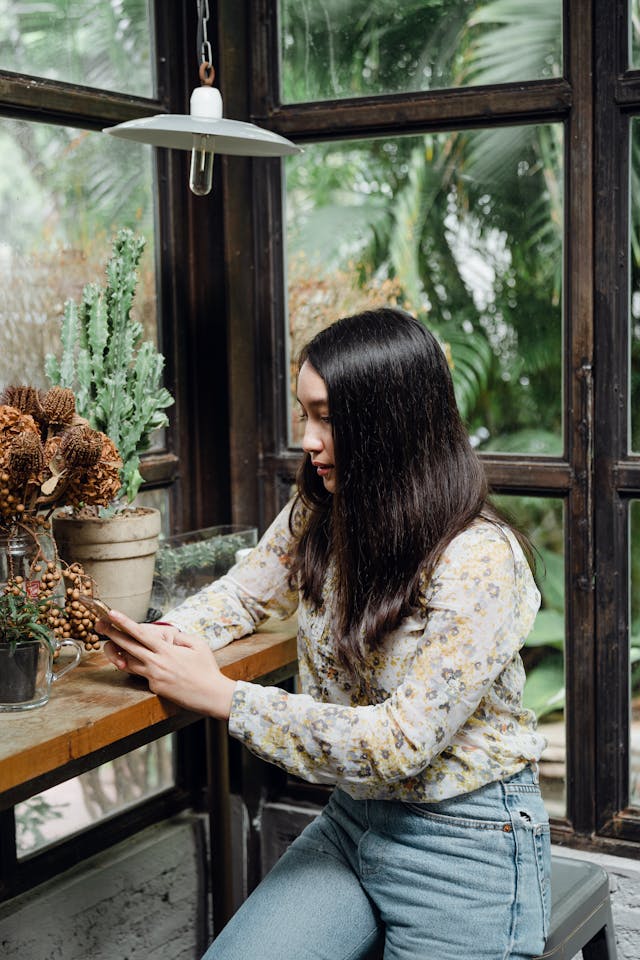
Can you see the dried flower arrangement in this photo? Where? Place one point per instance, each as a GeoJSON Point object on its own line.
{"type": "Point", "coordinates": [49, 457]}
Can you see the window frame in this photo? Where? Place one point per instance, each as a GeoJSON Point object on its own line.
{"type": "Point", "coordinates": [192, 323]}
{"type": "Point", "coordinates": [594, 477]}
{"type": "Point", "coordinates": [617, 471]}
{"type": "Point", "coordinates": [221, 306]}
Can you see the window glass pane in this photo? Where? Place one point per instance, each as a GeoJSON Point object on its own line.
{"type": "Point", "coordinates": [634, 655]}
{"type": "Point", "coordinates": [634, 34]}
{"type": "Point", "coordinates": [93, 43]}
{"type": "Point", "coordinates": [353, 48]}
{"type": "Point", "coordinates": [63, 195]}
{"type": "Point", "coordinates": [541, 519]}
{"type": "Point", "coordinates": [465, 231]}
{"type": "Point", "coordinates": [93, 796]}
{"type": "Point", "coordinates": [634, 306]}
{"type": "Point", "coordinates": [158, 499]}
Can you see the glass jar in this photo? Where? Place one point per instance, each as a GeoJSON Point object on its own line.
{"type": "Point", "coordinates": [18, 550]}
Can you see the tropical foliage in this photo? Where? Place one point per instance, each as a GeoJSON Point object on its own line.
{"type": "Point", "coordinates": [98, 43]}
{"type": "Point", "coordinates": [333, 49]}
{"type": "Point", "coordinates": [65, 191]}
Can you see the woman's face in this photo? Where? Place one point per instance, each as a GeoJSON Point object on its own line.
{"type": "Point", "coordinates": [318, 432]}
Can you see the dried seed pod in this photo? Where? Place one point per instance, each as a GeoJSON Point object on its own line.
{"type": "Point", "coordinates": [26, 456]}
{"type": "Point", "coordinates": [58, 405]}
{"type": "Point", "coordinates": [81, 446]}
{"type": "Point", "coordinates": [13, 422]}
{"type": "Point", "coordinates": [25, 399]}
{"type": "Point", "coordinates": [98, 484]}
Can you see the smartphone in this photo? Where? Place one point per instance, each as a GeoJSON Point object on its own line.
{"type": "Point", "coordinates": [101, 610]}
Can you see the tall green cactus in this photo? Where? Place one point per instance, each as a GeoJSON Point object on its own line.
{"type": "Point", "coordinates": [116, 378]}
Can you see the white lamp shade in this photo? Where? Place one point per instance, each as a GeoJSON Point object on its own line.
{"type": "Point", "coordinates": [178, 130]}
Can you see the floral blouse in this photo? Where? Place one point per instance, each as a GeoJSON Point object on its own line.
{"type": "Point", "coordinates": [436, 709]}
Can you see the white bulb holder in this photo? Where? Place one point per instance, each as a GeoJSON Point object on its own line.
{"type": "Point", "coordinates": [206, 103]}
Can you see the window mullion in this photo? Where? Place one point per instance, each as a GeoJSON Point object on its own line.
{"type": "Point", "coordinates": [611, 275]}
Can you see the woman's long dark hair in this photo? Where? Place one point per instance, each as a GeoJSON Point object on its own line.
{"type": "Point", "coordinates": [407, 478]}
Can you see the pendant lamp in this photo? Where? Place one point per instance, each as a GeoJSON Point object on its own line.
{"type": "Point", "coordinates": [204, 130]}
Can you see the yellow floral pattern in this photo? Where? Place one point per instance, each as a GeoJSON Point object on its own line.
{"type": "Point", "coordinates": [436, 710]}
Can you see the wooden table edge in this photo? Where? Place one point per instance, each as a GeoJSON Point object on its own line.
{"type": "Point", "coordinates": [259, 655]}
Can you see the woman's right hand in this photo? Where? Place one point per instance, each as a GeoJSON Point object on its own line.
{"type": "Point", "coordinates": [116, 654]}
{"type": "Point", "coordinates": [178, 666]}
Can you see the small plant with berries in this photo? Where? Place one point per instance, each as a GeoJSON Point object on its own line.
{"type": "Point", "coordinates": [22, 619]}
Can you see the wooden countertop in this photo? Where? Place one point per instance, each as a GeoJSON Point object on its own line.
{"type": "Point", "coordinates": [96, 713]}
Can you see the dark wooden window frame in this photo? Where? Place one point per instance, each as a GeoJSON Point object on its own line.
{"type": "Point", "coordinates": [595, 478]}
{"type": "Point", "coordinates": [222, 305]}
{"type": "Point", "coordinates": [192, 321]}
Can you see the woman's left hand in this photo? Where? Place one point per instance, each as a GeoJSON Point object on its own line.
{"type": "Point", "coordinates": [178, 666]}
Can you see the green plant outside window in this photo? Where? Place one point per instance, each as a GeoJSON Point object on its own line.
{"type": "Point", "coordinates": [98, 44]}
{"type": "Point", "coordinates": [462, 229]}
{"type": "Point", "coordinates": [76, 188]}
{"type": "Point", "coordinates": [352, 48]}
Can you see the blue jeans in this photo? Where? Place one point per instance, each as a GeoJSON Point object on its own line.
{"type": "Point", "coordinates": [463, 879]}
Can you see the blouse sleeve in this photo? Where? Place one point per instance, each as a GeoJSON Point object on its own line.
{"type": "Point", "coordinates": [255, 588]}
{"type": "Point", "coordinates": [482, 603]}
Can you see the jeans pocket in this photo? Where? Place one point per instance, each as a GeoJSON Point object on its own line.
{"type": "Point", "coordinates": [458, 816]}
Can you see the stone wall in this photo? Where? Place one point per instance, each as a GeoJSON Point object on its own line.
{"type": "Point", "coordinates": [145, 897]}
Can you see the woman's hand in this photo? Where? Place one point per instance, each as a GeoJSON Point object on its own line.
{"type": "Point", "coordinates": [178, 666]}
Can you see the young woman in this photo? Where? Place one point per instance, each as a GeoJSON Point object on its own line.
{"type": "Point", "coordinates": [413, 601]}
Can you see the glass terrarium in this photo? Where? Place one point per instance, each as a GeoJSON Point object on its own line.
{"type": "Point", "coordinates": [189, 561]}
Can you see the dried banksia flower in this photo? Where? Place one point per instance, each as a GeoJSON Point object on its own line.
{"type": "Point", "coordinates": [13, 422]}
{"type": "Point", "coordinates": [52, 448]}
{"type": "Point", "coordinates": [81, 446]}
{"type": "Point", "coordinates": [58, 405]}
{"type": "Point", "coordinates": [25, 399]}
{"type": "Point", "coordinates": [98, 484]}
{"type": "Point", "coordinates": [26, 457]}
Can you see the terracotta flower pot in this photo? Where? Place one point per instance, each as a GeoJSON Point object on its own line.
{"type": "Point", "coordinates": [117, 552]}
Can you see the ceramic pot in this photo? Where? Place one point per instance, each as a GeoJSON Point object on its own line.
{"type": "Point", "coordinates": [117, 552]}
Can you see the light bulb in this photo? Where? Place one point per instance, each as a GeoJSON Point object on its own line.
{"type": "Point", "coordinates": [201, 172]}
{"type": "Point", "coordinates": [206, 104]}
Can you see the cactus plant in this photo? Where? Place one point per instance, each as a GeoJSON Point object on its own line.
{"type": "Point", "coordinates": [116, 377]}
